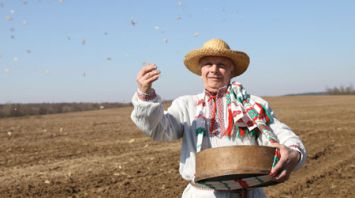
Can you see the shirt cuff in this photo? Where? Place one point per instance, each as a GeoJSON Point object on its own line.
{"type": "Point", "coordinates": [301, 159]}
{"type": "Point", "coordinates": [151, 95]}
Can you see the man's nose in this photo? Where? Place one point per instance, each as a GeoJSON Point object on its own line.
{"type": "Point", "coordinates": [214, 68]}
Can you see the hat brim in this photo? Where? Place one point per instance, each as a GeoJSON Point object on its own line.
{"type": "Point", "coordinates": [240, 59]}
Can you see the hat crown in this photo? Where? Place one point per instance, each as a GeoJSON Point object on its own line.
{"type": "Point", "coordinates": [217, 44]}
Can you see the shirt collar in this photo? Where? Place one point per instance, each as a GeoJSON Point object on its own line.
{"type": "Point", "coordinates": [221, 92]}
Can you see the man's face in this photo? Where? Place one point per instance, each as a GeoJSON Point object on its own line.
{"type": "Point", "coordinates": [216, 72]}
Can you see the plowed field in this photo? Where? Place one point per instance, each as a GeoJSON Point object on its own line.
{"type": "Point", "coordinates": [102, 154]}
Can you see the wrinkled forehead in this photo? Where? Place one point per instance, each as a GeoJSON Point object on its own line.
{"type": "Point", "coordinates": [215, 59]}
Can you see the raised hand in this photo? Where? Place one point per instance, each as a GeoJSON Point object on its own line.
{"type": "Point", "coordinates": [146, 76]}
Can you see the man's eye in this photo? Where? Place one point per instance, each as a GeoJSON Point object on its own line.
{"type": "Point", "coordinates": [208, 64]}
{"type": "Point", "coordinates": [221, 65]}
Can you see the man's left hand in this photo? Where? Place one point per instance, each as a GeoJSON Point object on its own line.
{"type": "Point", "coordinates": [288, 161]}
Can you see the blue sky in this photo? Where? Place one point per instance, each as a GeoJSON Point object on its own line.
{"type": "Point", "coordinates": [90, 51]}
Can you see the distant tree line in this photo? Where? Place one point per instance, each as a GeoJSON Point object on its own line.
{"type": "Point", "coordinates": [342, 90]}
{"type": "Point", "coordinates": [15, 110]}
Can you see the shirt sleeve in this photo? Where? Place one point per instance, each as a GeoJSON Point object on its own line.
{"type": "Point", "coordinates": [285, 135]}
{"type": "Point", "coordinates": [149, 116]}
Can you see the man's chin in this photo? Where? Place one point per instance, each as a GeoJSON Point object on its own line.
{"type": "Point", "coordinates": [216, 85]}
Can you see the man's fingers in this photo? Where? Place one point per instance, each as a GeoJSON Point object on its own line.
{"type": "Point", "coordinates": [151, 74]}
{"type": "Point", "coordinates": [146, 69]}
{"type": "Point", "coordinates": [278, 167]}
{"type": "Point", "coordinates": [147, 75]}
{"type": "Point", "coordinates": [282, 170]}
{"type": "Point", "coordinates": [282, 163]}
{"type": "Point", "coordinates": [283, 176]}
{"type": "Point", "coordinates": [151, 78]}
{"type": "Point", "coordinates": [146, 78]}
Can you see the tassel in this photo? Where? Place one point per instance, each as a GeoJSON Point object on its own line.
{"type": "Point", "coordinates": [213, 116]}
{"type": "Point", "coordinates": [236, 130]}
{"type": "Point", "coordinates": [277, 157]}
{"type": "Point", "coordinates": [254, 132]}
{"type": "Point", "coordinates": [228, 132]}
{"type": "Point", "coordinates": [241, 132]}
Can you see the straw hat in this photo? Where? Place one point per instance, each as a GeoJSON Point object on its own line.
{"type": "Point", "coordinates": [217, 47]}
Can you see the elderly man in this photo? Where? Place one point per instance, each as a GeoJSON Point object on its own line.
{"type": "Point", "coordinates": [221, 111]}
